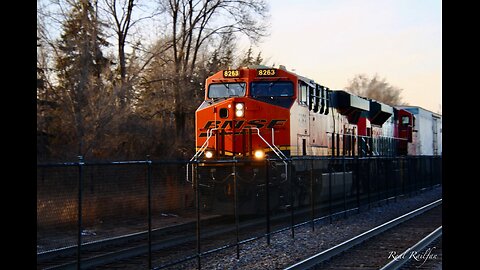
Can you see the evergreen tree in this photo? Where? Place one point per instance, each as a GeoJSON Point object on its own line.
{"type": "Point", "coordinates": [81, 66]}
{"type": "Point", "coordinates": [223, 56]}
{"type": "Point", "coordinates": [259, 59]}
{"type": "Point", "coordinates": [248, 59]}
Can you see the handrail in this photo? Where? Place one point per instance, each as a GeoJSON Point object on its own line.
{"type": "Point", "coordinates": [273, 143]}
{"type": "Point", "coordinates": [366, 136]}
{"type": "Point", "coordinates": [275, 150]}
{"type": "Point", "coordinates": [272, 146]}
{"type": "Point", "coordinates": [200, 151]}
{"type": "Point", "coordinates": [204, 145]}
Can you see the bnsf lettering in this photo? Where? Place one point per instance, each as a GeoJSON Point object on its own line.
{"type": "Point", "coordinates": [229, 124]}
{"type": "Point", "coordinates": [208, 125]}
{"type": "Point", "coordinates": [258, 123]}
{"type": "Point", "coordinates": [254, 123]}
{"type": "Point", "coordinates": [276, 122]}
{"type": "Point", "coordinates": [226, 124]}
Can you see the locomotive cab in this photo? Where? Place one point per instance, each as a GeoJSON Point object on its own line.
{"type": "Point", "coordinates": [245, 114]}
{"type": "Point", "coordinates": [245, 117]}
{"type": "Point", "coordinates": [405, 130]}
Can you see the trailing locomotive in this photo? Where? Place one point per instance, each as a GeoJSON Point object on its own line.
{"type": "Point", "coordinates": [260, 112]}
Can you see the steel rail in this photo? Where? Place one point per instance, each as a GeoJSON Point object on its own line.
{"type": "Point", "coordinates": [138, 250]}
{"type": "Point", "coordinates": [402, 259]}
{"type": "Point", "coordinates": [112, 241]}
{"type": "Point", "coordinates": [142, 249]}
{"type": "Point", "coordinates": [125, 253]}
{"type": "Point", "coordinates": [346, 245]}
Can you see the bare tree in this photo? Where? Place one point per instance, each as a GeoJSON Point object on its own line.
{"type": "Point", "coordinates": [120, 15]}
{"type": "Point", "coordinates": [192, 24]}
{"type": "Point", "coordinates": [375, 88]}
{"type": "Point", "coordinates": [85, 106]}
{"type": "Point", "coordinates": [77, 93]}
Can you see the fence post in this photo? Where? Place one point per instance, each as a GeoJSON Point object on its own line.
{"type": "Point", "coordinates": [79, 213]}
{"type": "Point", "coordinates": [292, 199]}
{"type": "Point", "coordinates": [415, 172]}
{"type": "Point", "coordinates": [376, 177]}
{"type": "Point", "coordinates": [368, 182]}
{"type": "Point", "coordinates": [431, 172]}
{"type": "Point", "coordinates": [357, 180]}
{"type": "Point", "coordinates": [312, 197]}
{"type": "Point", "coordinates": [438, 170]}
{"type": "Point", "coordinates": [402, 174]}
{"type": "Point", "coordinates": [235, 208]}
{"type": "Point", "coordinates": [387, 167]}
{"type": "Point", "coordinates": [197, 202]}
{"type": "Point", "coordinates": [344, 188]}
{"type": "Point", "coordinates": [393, 163]}
{"type": "Point", "coordinates": [330, 169]}
{"type": "Point", "coordinates": [149, 191]}
{"type": "Point", "coordinates": [267, 195]}
{"type": "Point", "coordinates": [408, 167]}
{"type": "Point", "coordinates": [422, 173]}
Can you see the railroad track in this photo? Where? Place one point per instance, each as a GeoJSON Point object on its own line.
{"type": "Point", "coordinates": [426, 250]}
{"type": "Point", "coordinates": [387, 246]}
{"type": "Point", "coordinates": [434, 247]}
{"type": "Point", "coordinates": [133, 246]}
{"type": "Point", "coordinates": [132, 249]}
{"type": "Point", "coordinates": [217, 240]}
{"type": "Point", "coordinates": [95, 253]}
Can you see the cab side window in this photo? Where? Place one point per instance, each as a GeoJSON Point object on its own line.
{"type": "Point", "coordinates": [303, 93]}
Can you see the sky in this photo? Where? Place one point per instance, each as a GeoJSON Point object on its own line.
{"type": "Point", "coordinates": [331, 41]}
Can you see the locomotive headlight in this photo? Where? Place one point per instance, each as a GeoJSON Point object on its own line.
{"type": "Point", "coordinates": [259, 154]}
{"type": "Point", "coordinates": [209, 154]}
{"type": "Point", "coordinates": [239, 110]}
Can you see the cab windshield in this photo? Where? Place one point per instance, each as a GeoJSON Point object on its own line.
{"type": "Point", "coordinates": [225, 90]}
{"type": "Point", "coordinates": [271, 89]}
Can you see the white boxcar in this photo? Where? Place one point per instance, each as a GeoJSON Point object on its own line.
{"type": "Point", "coordinates": [427, 132]}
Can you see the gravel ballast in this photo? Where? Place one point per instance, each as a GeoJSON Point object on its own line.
{"type": "Point", "coordinates": [284, 250]}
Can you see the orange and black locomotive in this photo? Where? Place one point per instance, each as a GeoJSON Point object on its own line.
{"type": "Point", "coordinates": [265, 113]}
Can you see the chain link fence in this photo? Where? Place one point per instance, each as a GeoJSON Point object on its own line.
{"type": "Point", "coordinates": [83, 202]}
